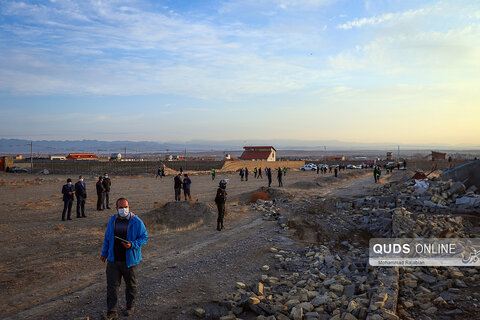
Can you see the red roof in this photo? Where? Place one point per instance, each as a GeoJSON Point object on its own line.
{"type": "Point", "coordinates": [253, 155]}
{"type": "Point", "coordinates": [259, 147]}
{"type": "Point", "coordinates": [81, 156]}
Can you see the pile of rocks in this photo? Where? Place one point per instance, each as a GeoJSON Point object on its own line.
{"type": "Point", "coordinates": [427, 292]}
{"type": "Point", "coordinates": [314, 283]}
{"type": "Point", "coordinates": [424, 195]}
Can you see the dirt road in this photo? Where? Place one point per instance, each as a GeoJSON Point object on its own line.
{"type": "Point", "coordinates": [52, 268]}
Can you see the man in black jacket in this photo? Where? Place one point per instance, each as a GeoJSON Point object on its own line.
{"type": "Point", "coordinates": [220, 200]}
{"type": "Point", "coordinates": [81, 194]}
{"type": "Point", "coordinates": [100, 193]}
{"type": "Point", "coordinates": [106, 185]}
{"type": "Point", "coordinates": [68, 191]}
{"type": "Point", "coordinates": [177, 186]}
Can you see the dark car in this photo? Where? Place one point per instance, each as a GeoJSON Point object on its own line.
{"type": "Point", "coordinates": [17, 170]}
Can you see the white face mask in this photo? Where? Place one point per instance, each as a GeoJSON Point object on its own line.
{"type": "Point", "coordinates": [123, 212]}
{"type": "Point", "coordinates": [69, 183]}
{"type": "Point", "coordinates": [106, 176]}
{"type": "Point", "coordinates": [81, 180]}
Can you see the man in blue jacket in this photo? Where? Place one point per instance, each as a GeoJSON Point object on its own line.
{"type": "Point", "coordinates": [81, 193]}
{"type": "Point", "coordinates": [68, 190]}
{"type": "Point", "coordinates": [124, 238]}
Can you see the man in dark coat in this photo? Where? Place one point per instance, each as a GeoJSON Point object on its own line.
{"type": "Point", "coordinates": [177, 186]}
{"type": "Point", "coordinates": [279, 177]}
{"type": "Point", "coordinates": [220, 200]}
{"type": "Point", "coordinates": [81, 194]}
{"type": "Point", "coordinates": [107, 183]}
{"type": "Point", "coordinates": [68, 190]}
{"type": "Point", "coordinates": [186, 187]}
{"type": "Point", "coordinates": [100, 193]}
{"type": "Point", "coordinates": [269, 176]}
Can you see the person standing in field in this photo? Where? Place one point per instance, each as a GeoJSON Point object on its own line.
{"type": "Point", "coordinates": [246, 174]}
{"type": "Point", "coordinates": [269, 176]}
{"type": "Point", "coordinates": [100, 193]}
{"type": "Point", "coordinates": [81, 194]}
{"type": "Point", "coordinates": [336, 172]}
{"type": "Point", "coordinates": [68, 190]}
{"type": "Point", "coordinates": [186, 187]}
{"type": "Point", "coordinates": [177, 186]}
{"type": "Point", "coordinates": [220, 200]}
{"type": "Point", "coordinates": [259, 173]}
{"type": "Point", "coordinates": [213, 174]}
{"type": "Point", "coordinates": [241, 174]}
{"type": "Point", "coordinates": [122, 249]}
{"type": "Point", "coordinates": [107, 184]}
{"type": "Point", "coordinates": [255, 172]}
{"type": "Point", "coordinates": [279, 177]}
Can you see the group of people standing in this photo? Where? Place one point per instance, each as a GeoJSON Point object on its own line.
{"type": "Point", "coordinates": [258, 174]}
{"type": "Point", "coordinates": [179, 184]}
{"type": "Point", "coordinates": [79, 190]}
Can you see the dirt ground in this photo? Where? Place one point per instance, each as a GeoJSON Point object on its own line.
{"type": "Point", "coordinates": [51, 269]}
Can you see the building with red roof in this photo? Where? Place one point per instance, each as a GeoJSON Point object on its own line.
{"type": "Point", "coordinates": [82, 156]}
{"type": "Point", "coordinates": [263, 153]}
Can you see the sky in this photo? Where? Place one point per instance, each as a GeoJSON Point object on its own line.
{"type": "Point", "coordinates": [368, 71]}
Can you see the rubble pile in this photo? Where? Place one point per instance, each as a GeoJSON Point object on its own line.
{"type": "Point", "coordinates": [313, 283]}
{"type": "Point", "coordinates": [434, 196]}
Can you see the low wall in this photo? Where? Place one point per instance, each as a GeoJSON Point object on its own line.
{"type": "Point", "coordinates": [195, 165]}
{"type": "Point", "coordinates": [468, 173]}
{"type": "Point", "coordinates": [98, 167]}
{"type": "Point", "coordinates": [232, 166]}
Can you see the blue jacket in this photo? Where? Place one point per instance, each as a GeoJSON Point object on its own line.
{"type": "Point", "coordinates": [136, 235]}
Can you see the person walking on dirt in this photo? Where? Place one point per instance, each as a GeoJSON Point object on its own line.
{"type": "Point", "coordinates": [318, 169]}
{"type": "Point", "coordinates": [266, 171]}
{"type": "Point", "coordinates": [330, 169]}
{"type": "Point", "coordinates": [260, 173]}
{"type": "Point", "coordinates": [246, 174]}
{"type": "Point", "coordinates": [177, 186]}
{"type": "Point", "coordinates": [181, 170]}
{"type": "Point", "coordinates": [220, 200]}
{"type": "Point", "coordinates": [159, 173]}
{"type": "Point", "coordinates": [186, 187]}
{"type": "Point", "coordinates": [255, 172]}
{"type": "Point", "coordinates": [122, 249]}
{"type": "Point", "coordinates": [107, 183]}
{"type": "Point", "coordinates": [81, 194]}
{"type": "Point", "coordinates": [213, 174]}
{"type": "Point", "coordinates": [68, 190]}
{"type": "Point", "coordinates": [100, 193]}
{"type": "Point", "coordinates": [269, 176]}
{"type": "Point", "coordinates": [284, 171]}
{"type": "Point", "coordinates": [279, 177]}
{"type": "Point", "coordinates": [336, 172]}
{"type": "Point", "coordinates": [241, 174]}
{"type": "Point", "coordinates": [375, 173]}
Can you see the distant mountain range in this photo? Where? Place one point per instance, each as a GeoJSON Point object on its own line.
{"type": "Point", "coordinates": [20, 146]}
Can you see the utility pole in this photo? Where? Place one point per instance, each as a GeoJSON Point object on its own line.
{"type": "Point", "coordinates": [31, 156]}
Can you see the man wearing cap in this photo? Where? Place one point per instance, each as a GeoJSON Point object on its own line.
{"type": "Point", "coordinates": [122, 247]}
{"type": "Point", "coordinates": [220, 200]}
{"type": "Point", "coordinates": [68, 190]}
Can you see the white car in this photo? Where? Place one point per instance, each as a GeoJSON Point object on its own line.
{"type": "Point", "coordinates": [308, 167]}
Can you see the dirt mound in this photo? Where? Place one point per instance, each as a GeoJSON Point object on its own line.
{"type": "Point", "coordinates": [179, 216]}
{"type": "Point", "coordinates": [304, 185]}
{"type": "Point", "coordinates": [264, 193]}
{"type": "Point", "coordinates": [258, 195]}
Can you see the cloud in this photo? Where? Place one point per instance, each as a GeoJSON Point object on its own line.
{"type": "Point", "coordinates": [375, 20]}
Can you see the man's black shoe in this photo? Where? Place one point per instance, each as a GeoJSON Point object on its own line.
{"type": "Point", "coordinates": [129, 312]}
{"type": "Point", "coordinates": [69, 218]}
{"type": "Point", "coordinates": [63, 219]}
{"type": "Point", "coordinates": [109, 208]}
{"type": "Point", "coordinates": [84, 216]}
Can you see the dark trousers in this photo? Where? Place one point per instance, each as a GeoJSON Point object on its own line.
{"type": "Point", "coordinates": [100, 200]}
{"type": "Point", "coordinates": [186, 192]}
{"type": "Point", "coordinates": [106, 200]}
{"type": "Point", "coordinates": [221, 214]}
{"type": "Point", "coordinates": [246, 177]}
{"type": "Point", "coordinates": [280, 183]}
{"type": "Point", "coordinates": [213, 176]}
{"type": "Point", "coordinates": [269, 182]}
{"type": "Point", "coordinates": [178, 191]}
{"type": "Point", "coordinates": [67, 205]}
{"type": "Point", "coordinates": [115, 271]}
{"type": "Point", "coordinates": [80, 207]}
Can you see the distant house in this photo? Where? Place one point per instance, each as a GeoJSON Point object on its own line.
{"type": "Point", "coordinates": [263, 153]}
{"type": "Point", "coordinates": [438, 156]}
{"type": "Point", "coordinates": [58, 158]}
{"type": "Point", "coordinates": [335, 158]}
{"type": "Point", "coordinates": [389, 156]}
{"type": "Point", "coordinates": [82, 156]}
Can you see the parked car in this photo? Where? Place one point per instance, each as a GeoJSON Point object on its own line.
{"type": "Point", "coordinates": [308, 167]}
{"type": "Point", "coordinates": [350, 166]}
{"type": "Point", "coordinates": [17, 170]}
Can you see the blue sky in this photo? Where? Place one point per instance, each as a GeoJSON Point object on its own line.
{"type": "Point", "coordinates": [362, 71]}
